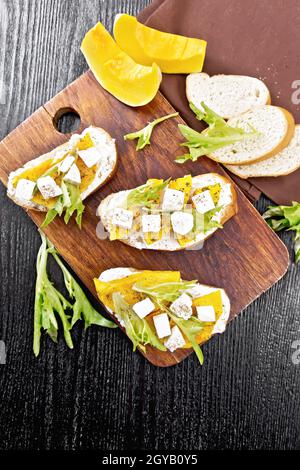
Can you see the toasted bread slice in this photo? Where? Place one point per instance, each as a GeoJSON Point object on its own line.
{"type": "Point", "coordinates": [276, 127]}
{"type": "Point", "coordinates": [228, 95]}
{"type": "Point", "coordinates": [115, 274]}
{"type": "Point", "coordinates": [170, 243]}
{"type": "Point", "coordinates": [285, 162]}
{"type": "Point", "coordinates": [103, 171]}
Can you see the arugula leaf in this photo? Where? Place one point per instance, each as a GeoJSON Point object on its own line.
{"type": "Point", "coordinates": [82, 306]}
{"type": "Point", "coordinates": [70, 201]}
{"type": "Point", "coordinates": [286, 218]}
{"type": "Point", "coordinates": [48, 301]}
{"type": "Point", "coordinates": [137, 329]}
{"type": "Point", "coordinates": [273, 211]}
{"type": "Point", "coordinates": [278, 224]}
{"type": "Point", "coordinates": [214, 120]}
{"type": "Point", "coordinates": [76, 204]}
{"type": "Point", "coordinates": [147, 194]}
{"type": "Point", "coordinates": [292, 214]}
{"type": "Point", "coordinates": [166, 292]}
{"type": "Point", "coordinates": [62, 202]}
{"type": "Point", "coordinates": [204, 222]}
{"type": "Point", "coordinates": [50, 216]}
{"type": "Point", "coordinates": [200, 115]}
{"type": "Point", "coordinates": [65, 197]}
{"type": "Point", "coordinates": [217, 135]}
{"type": "Point", "coordinates": [161, 294]}
{"type": "Point", "coordinates": [144, 134]}
{"type": "Point", "coordinates": [190, 328]}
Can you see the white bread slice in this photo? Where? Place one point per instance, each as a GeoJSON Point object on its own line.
{"type": "Point", "coordinates": [220, 325]}
{"type": "Point", "coordinates": [167, 243]}
{"type": "Point", "coordinates": [276, 127]}
{"type": "Point", "coordinates": [227, 95]}
{"type": "Point", "coordinates": [104, 171]}
{"type": "Point", "coordinates": [284, 163]}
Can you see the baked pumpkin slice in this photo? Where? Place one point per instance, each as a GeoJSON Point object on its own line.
{"type": "Point", "coordinates": [159, 309]}
{"type": "Point", "coordinates": [169, 215]}
{"type": "Point", "coordinates": [116, 71]}
{"type": "Point", "coordinates": [171, 52]}
{"type": "Point", "coordinates": [59, 181]}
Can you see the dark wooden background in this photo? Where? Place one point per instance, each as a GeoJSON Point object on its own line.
{"type": "Point", "coordinates": [101, 395]}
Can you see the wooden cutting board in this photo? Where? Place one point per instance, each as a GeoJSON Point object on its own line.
{"type": "Point", "coordinates": [246, 258]}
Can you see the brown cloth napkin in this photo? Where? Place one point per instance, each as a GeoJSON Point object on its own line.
{"type": "Point", "coordinates": [260, 38]}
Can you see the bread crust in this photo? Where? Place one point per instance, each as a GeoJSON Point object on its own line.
{"type": "Point", "coordinates": [235, 169]}
{"type": "Point", "coordinates": [29, 205]}
{"type": "Point", "coordinates": [290, 129]}
{"type": "Point", "coordinates": [228, 212]}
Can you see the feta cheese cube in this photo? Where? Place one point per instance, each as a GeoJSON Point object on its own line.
{"type": "Point", "coordinates": [182, 222]}
{"type": "Point", "coordinates": [151, 223]}
{"type": "Point", "coordinates": [66, 164]}
{"type": "Point", "coordinates": [225, 195]}
{"type": "Point", "coordinates": [173, 200]}
{"type": "Point", "coordinates": [122, 218]}
{"type": "Point", "coordinates": [74, 140]}
{"type": "Point", "coordinates": [182, 307]}
{"type": "Point", "coordinates": [25, 189]}
{"type": "Point", "coordinates": [89, 156]}
{"type": "Point", "coordinates": [206, 313]}
{"type": "Point", "coordinates": [73, 175]}
{"type": "Point", "coordinates": [203, 202]}
{"type": "Point", "coordinates": [162, 325]}
{"type": "Point", "coordinates": [144, 307]}
{"type": "Point", "coordinates": [200, 290]}
{"type": "Point", "coordinates": [48, 188]}
{"type": "Point", "coordinates": [176, 340]}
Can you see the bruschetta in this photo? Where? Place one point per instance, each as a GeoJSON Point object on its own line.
{"type": "Point", "coordinates": [160, 309]}
{"type": "Point", "coordinates": [169, 215]}
{"type": "Point", "coordinates": [60, 180]}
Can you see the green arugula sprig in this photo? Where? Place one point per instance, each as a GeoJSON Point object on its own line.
{"type": "Point", "coordinates": [162, 295]}
{"type": "Point", "coordinates": [217, 135]}
{"type": "Point", "coordinates": [190, 328]}
{"type": "Point", "coordinates": [166, 292]}
{"type": "Point", "coordinates": [147, 194]}
{"type": "Point", "coordinates": [49, 302]}
{"type": "Point", "coordinates": [286, 218]}
{"type": "Point", "coordinates": [144, 135]}
{"type": "Point", "coordinates": [70, 201]}
{"type": "Point", "coordinates": [82, 308]}
{"type": "Point", "coordinates": [205, 222]}
{"type": "Point", "coordinates": [137, 329]}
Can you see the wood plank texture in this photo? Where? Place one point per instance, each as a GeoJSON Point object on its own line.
{"type": "Point", "coordinates": [228, 259]}
{"type": "Point", "coordinates": [246, 394]}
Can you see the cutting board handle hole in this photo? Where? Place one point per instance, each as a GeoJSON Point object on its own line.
{"type": "Point", "coordinates": [66, 120]}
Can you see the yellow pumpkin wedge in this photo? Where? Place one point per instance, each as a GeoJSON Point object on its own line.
{"type": "Point", "coordinates": [171, 52]}
{"type": "Point", "coordinates": [129, 82]}
{"type": "Point", "coordinates": [214, 299]}
{"type": "Point", "coordinates": [183, 184]}
{"type": "Point", "coordinates": [124, 285]}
